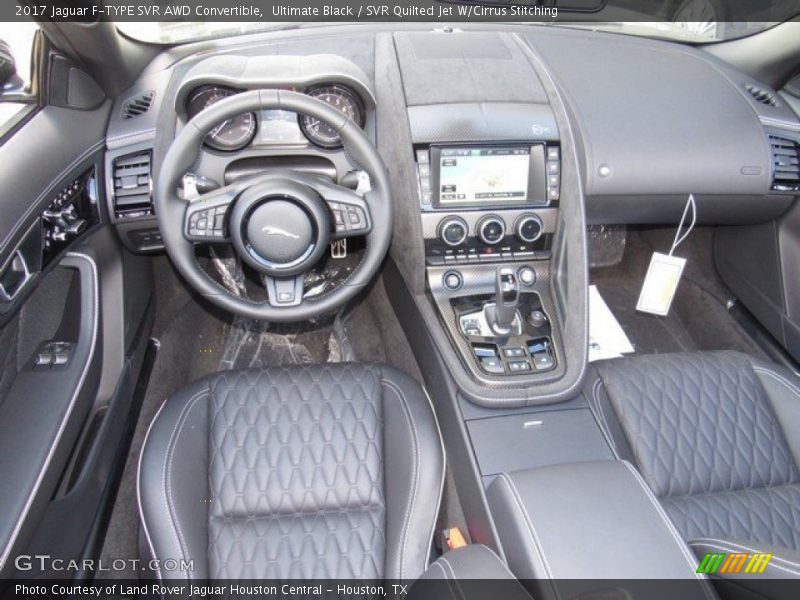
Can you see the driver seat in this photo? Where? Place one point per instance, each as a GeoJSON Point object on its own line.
{"type": "Point", "coordinates": [303, 472]}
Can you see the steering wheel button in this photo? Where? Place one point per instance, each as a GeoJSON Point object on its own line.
{"type": "Point", "coordinates": [354, 216]}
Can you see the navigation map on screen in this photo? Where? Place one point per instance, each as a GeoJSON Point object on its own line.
{"type": "Point", "coordinates": [480, 174]}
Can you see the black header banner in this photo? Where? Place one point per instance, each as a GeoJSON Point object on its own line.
{"type": "Point", "coordinates": [445, 11]}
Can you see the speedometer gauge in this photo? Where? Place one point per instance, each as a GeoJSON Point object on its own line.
{"type": "Point", "coordinates": [232, 134]}
{"type": "Point", "coordinates": [343, 100]}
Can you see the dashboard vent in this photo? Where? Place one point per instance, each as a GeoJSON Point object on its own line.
{"type": "Point", "coordinates": [763, 96]}
{"type": "Point", "coordinates": [785, 164]}
{"type": "Point", "coordinates": [138, 105]}
{"type": "Point", "coordinates": [132, 186]}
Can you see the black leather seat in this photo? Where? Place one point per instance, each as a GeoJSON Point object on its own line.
{"type": "Point", "coordinates": [331, 471]}
{"type": "Point", "coordinates": [716, 435]}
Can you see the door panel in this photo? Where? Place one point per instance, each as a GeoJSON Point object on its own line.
{"type": "Point", "coordinates": [63, 302]}
{"type": "Point", "coordinates": [46, 405]}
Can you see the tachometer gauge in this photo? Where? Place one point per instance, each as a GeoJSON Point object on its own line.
{"type": "Point", "coordinates": [343, 100]}
{"type": "Point", "coordinates": [228, 136]}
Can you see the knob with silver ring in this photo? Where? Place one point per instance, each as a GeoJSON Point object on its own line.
{"type": "Point", "coordinates": [491, 229]}
{"type": "Point", "coordinates": [528, 227]}
{"type": "Point", "coordinates": [526, 276]}
{"type": "Point", "coordinates": [453, 231]}
{"type": "Point", "coordinates": [452, 280]}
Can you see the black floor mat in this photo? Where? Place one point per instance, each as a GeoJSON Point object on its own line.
{"type": "Point", "coordinates": [698, 319]}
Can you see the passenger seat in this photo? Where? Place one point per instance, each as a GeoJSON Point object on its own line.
{"type": "Point", "coordinates": [716, 435]}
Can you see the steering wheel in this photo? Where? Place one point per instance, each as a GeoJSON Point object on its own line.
{"type": "Point", "coordinates": [280, 223]}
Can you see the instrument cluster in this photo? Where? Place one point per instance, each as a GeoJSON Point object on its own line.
{"type": "Point", "coordinates": [276, 127]}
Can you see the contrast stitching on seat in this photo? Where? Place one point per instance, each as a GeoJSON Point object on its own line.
{"type": "Point", "coordinates": [728, 546]}
{"type": "Point", "coordinates": [713, 541]}
{"type": "Point", "coordinates": [660, 510]}
{"type": "Point", "coordinates": [499, 560]}
{"type": "Point", "coordinates": [425, 562]}
{"type": "Point", "coordinates": [537, 546]}
{"type": "Point", "coordinates": [166, 474]}
{"type": "Point", "coordinates": [455, 577]}
{"type": "Point", "coordinates": [415, 486]}
{"type": "Point", "coordinates": [780, 379]}
{"type": "Point", "coordinates": [139, 487]}
{"type": "Point", "coordinates": [600, 417]}
{"type": "Point", "coordinates": [446, 579]}
{"type": "Point", "coordinates": [436, 564]}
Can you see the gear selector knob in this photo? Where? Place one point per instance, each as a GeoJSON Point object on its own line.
{"type": "Point", "coordinates": [506, 297]}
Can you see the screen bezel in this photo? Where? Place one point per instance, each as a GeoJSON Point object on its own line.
{"type": "Point", "coordinates": [537, 177]}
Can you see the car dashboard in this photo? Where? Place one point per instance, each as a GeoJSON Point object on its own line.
{"type": "Point", "coordinates": [502, 145]}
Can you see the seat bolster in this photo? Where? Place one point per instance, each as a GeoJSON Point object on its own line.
{"type": "Point", "coordinates": [445, 578]}
{"type": "Point", "coordinates": [474, 561]}
{"type": "Point", "coordinates": [782, 388]}
{"type": "Point", "coordinates": [596, 395]}
{"type": "Point", "coordinates": [784, 564]}
{"type": "Point", "coordinates": [173, 484]}
{"type": "Point", "coordinates": [414, 474]}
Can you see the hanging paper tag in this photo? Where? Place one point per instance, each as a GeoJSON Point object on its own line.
{"type": "Point", "coordinates": [660, 284]}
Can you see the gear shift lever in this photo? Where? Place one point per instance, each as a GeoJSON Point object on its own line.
{"type": "Point", "coordinates": [506, 297]}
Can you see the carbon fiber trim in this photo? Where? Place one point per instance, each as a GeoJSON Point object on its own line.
{"type": "Point", "coordinates": [480, 279]}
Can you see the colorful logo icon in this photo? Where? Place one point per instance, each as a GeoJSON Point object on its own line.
{"type": "Point", "coordinates": [734, 562]}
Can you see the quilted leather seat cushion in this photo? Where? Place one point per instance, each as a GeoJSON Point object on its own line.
{"type": "Point", "coordinates": [328, 471]}
{"type": "Point", "coordinates": [705, 434]}
{"type": "Point", "coordinates": [698, 423]}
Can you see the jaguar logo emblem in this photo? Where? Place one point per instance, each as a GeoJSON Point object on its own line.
{"type": "Point", "coordinates": [271, 230]}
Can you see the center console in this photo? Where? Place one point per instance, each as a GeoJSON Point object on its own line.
{"type": "Point", "coordinates": [489, 214]}
{"type": "Point", "coordinates": [568, 529]}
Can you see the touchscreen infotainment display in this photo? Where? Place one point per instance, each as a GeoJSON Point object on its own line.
{"type": "Point", "coordinates": [473, 175]}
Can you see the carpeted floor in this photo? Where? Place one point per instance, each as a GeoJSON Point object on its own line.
{"type": "Point", "coordinates": [699, 318]}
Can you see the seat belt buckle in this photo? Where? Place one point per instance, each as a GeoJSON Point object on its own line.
{"type": "Point", "coordinates": [453, 538]}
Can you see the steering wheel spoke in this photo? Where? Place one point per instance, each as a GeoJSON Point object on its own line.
{"type": "Point", "coordinates": [205, 220]}
{"type": "Point", "coordinates": [284, 291]}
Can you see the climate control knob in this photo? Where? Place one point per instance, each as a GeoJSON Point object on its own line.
{"type": "Point", "coordinates": [491, 229]}
{"type": "Point", "coordinates": [453, 231]}
{"type": "Point", "coordinates": [528, 227]}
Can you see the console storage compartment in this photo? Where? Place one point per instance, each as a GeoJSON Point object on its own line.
{"type": "Point", "coordinates": [588, 520]}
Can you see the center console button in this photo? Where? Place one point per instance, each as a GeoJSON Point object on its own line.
{"type": "Point", "coordinates": [543, 361]}
{"type": "Point", "coordinates": [492, 365]}
{"type": "Point", "coordinates": [526, 276]}
{"type": "Point", "coordinates": [452, 280]}
{"type": "Point", "coordinates": [516, 366]}
{"type": "Point", "coordinates": [453, 231]}
{"type": "Point", "coordinates": [515, 352]}
{"type": "Point", "coordinates": [491, 229]}
{"type": "Point", "coordinates": [484, 351]}
{"type": "Point", "coordinates": [536, 318]}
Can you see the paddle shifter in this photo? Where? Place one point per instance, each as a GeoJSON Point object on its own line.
{"type": "Point", "coordinates": [506, 300]}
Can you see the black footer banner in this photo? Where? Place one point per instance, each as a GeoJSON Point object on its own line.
{"type": "Point", "coordinates": [426, 589]}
